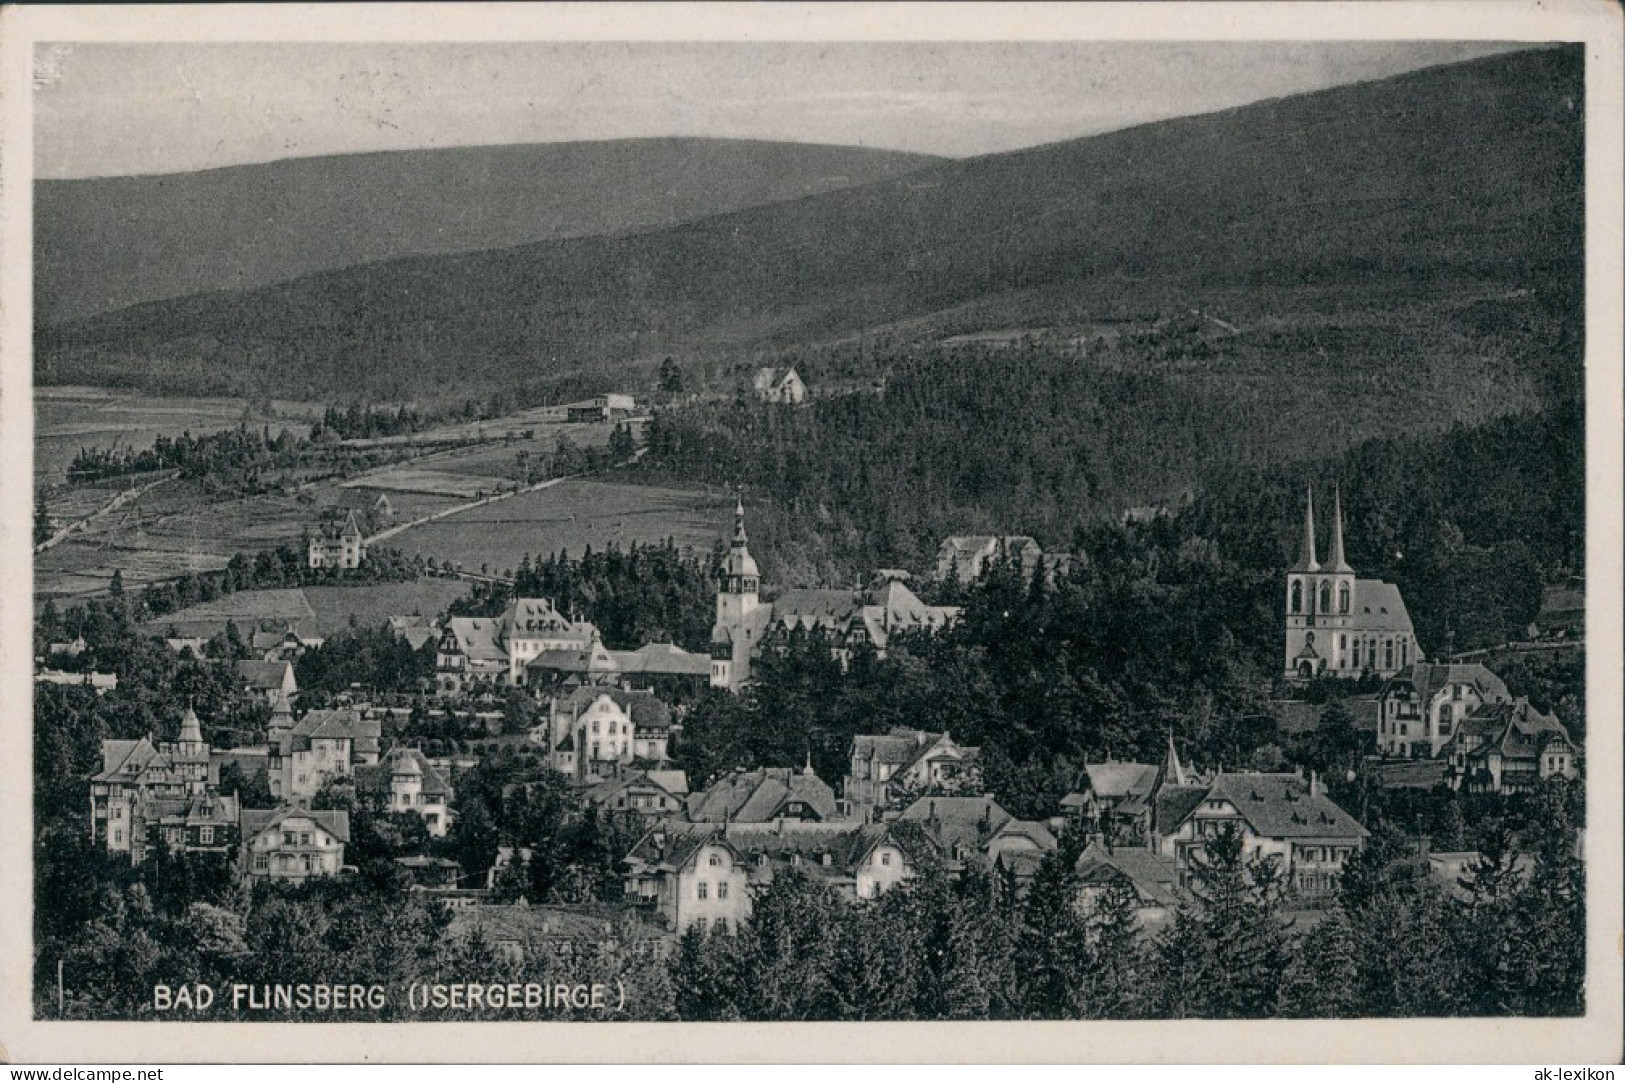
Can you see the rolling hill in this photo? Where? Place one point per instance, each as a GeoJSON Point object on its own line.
{"type": "Point", "coordinates": [1455, 185]}
{"type": "Point", "coordinates": [107, 243]}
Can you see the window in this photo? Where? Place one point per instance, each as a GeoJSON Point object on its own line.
{"type": "Point", "coordinates": [722, 890]}
{"type": "Point", "coordinates": [205, 835]}
{"type": "Point", "coordinates": [702, 890]}
{"type": "Point", "coordinates": [262, 862]}
{"type": "Point", "coordinates": [287, 838]}
{"type": "Point", "coordinates": [304, 838]}
{"type": "Point", "coordinates": [699, 926]}
{"type": "Point", "coordinates": [118, 812]}
{"type": "Point", "coordinates": [1325, 597]}
{"type": "Point", "coordinates": [714, 861]}
{"type": "Point", "coordinates": [1388, 654]}
{"type": "Point", "coordinates": [885, 858]}
{"type": "Point", "coordinates": [118, 837]}
{"type": "Point", "coordinates": [1343, 598]}
{"type": "Point", "coordinates": [1297, 597]}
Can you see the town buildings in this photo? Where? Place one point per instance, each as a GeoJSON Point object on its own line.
{"type": "Point", "coordinates": [1279, 816]}
{"type": "Point", "coordinates": [1509, 748]}
{"type": "Point", "coordinates": [1338, 624]}
{"type": "Point", "coordinates": [497, 650]}
{"type": "Point", "coordinates": [601, 408]}
{"type": "Point", "coordinates": [405, 781]}
{"type": "Point", "coordinates": [848, 619]}
{"type": "Point", "coordinates": [323, 746]}
{"type": "Point", "coordinates": [293, 843]}
{"type": "Point", "coordinates": [699, 874]}
{"type": "Point", "coordinates": [137, 775]}
{"type": "Point", "coordinates": [597, 731]}
{"type": "Point", "coordinates": [964, 558]}
{"type": "Point", "coordinates": [888, 771]}
{"type": "Point", "coordinates": [344, 549]}
{"type": "Point", "coordinates": [765, 795]}
{"type": "Point", "coordinates": [1422, 706]}
{"type": "Point", "coordinates": [268, 679]}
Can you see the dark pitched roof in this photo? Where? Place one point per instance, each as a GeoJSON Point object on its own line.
{"type": "Point", "coordinates": [1120, 780]}
{"type": "Point", "coordinates": [335, 821]}
{"type": "Point", "coordinates": [760, 796]}
{"type": "Point", "coordinates": [1426, 678]}
{"type": "Point", "coordinates": [965, 822]}
{"type": "Point", "coordinates": [376, 779]}
{"type": "Point", "coordinates": [1281, 806]}
{"type": "Point", "coordinates": [1174, 803]}
{"type": "Point", "coordinates": [265, 676]}
{"type": "Point", "coordinates": [1154, 879]}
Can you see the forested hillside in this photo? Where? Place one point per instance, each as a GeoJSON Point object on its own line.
{"type": "Point", "coordinates": [108, 242]}
{"type": "Point", "coordinates": [1320, 227]}
{"type": "Point", "coordinates": [1030, 441]}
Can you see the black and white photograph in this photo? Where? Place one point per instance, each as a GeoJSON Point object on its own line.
{"type": "Point", "coordinates": [815, 529]}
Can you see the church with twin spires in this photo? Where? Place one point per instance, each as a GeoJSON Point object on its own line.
{"type": "Point", "coordinates": [1338, 625]}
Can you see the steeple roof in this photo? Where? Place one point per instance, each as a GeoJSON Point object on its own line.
{"type": "Point", "coordinates": [1336, 562]}
{"type": "Point", "coordinates": [1173, 773]}
{"type": "Point", "coordinates": [191, 731]}
{"type": "Point", "coordinates": [1308, 560]}
{"type": "Point", "coordinates": [740, 562]}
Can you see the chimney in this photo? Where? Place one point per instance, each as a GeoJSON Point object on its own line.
{"type": "Point", "coordinates": [1314, 784]}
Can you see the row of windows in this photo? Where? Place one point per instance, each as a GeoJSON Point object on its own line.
{"type": "Point", "coordinates": [1325, 598]}
{"type": "Point", "coordinates": [284, 862]}
{"type": "Point", "coordinates": [702, 890]}
{"type": "Point", "coordinates": [701, 925]}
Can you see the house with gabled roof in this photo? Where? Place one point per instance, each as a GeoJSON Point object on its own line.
{"type": "Point", "coordinates": [1152, 877]}
{"type": "Point", "coordinates": [200, 823]}
{"type": "Point", "coordinates": [765, 795]}
{"type": "Point", "coordinates": [975, 829]}
{"type": "Point", "coordinates": [406, 781]}
{"type": "Point", "coordinates": [1280, 816]}
{"type": "Point", "coordinates": [648, 793]}
{"type": "Point", "coordinates": [306, 754]}
{"type": "Point", "coordinates": [688, 874]}
{"type": "Point", "coordinates": [1422, 705]}
{"type": "Point", "coordinates": [344, 548]}
{"type": "Point", "coordinates": [497, 650]}
{"type": "Point", "coordinates": [136, 774]}
{"type": "Point", "coordinates": [1509, 748]}
{"type": "Point", "coordinates": [888, 771]}
{"type": "Point", "coordinates": [267, 680]}
{"type": "Point", "coordinates": [598, 731]}
{"type": "Point", "coordinates": [293, 843]}
{"type": "Point", "coordinates": [769, 384]}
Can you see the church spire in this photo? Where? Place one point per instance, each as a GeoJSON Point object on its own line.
{"type": "Point", "coordinates": [1308, 560]}
{"type": "Point", "coordinates": [1172, 772]}
{"type": "Point", "coordinates": [739, 521]}
{"type": "Point", "coordinates": [1336, 562]}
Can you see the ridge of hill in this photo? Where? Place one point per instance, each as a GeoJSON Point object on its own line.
{"type": "Point", "coordinates": [110, 242]}
{"type": "Point", "coordinates": [1445, 184]}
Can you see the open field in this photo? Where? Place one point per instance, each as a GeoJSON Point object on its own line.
{"type": "Point", "coordinates": [317, 611]}
{"type": "Point", "coordinates": [178, 528]}
{"type": "Point", "coordinates": [570, 516]}
{"type": "Point", "coordinates": [501, 458]}
{"type": "Point", "coordinates": [69, 418]}
{"type": "Point", "coordinates": [375, 603]}
{"type": "Point", "coordinates": [423, 480]}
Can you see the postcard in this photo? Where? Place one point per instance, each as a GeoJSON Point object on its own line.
{"type": "Point", "coordinates": [866, 532]}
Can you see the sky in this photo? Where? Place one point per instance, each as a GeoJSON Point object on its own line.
{"type": "Point", "coordinates": [121, 109]}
